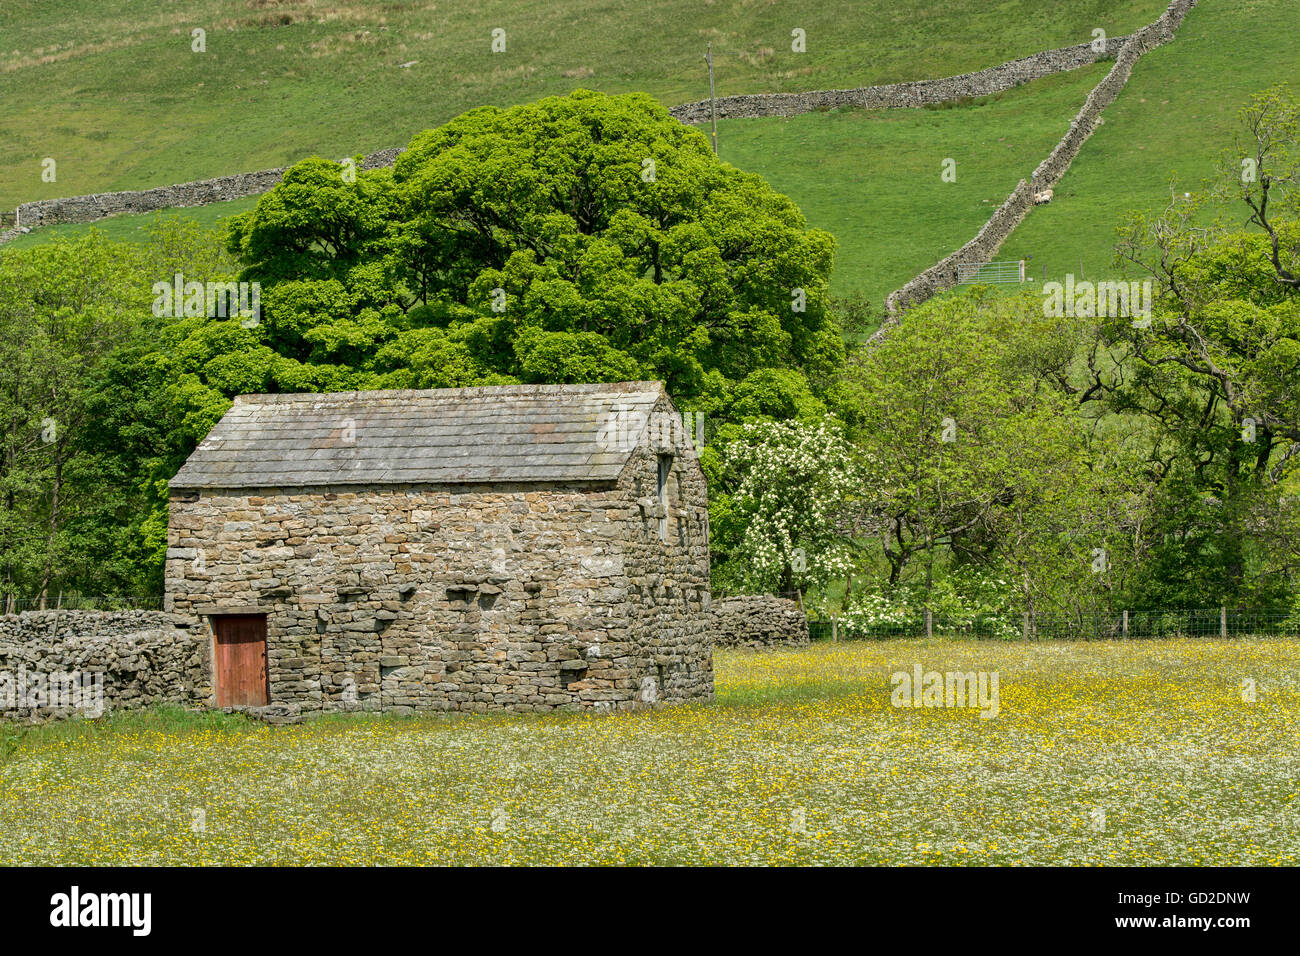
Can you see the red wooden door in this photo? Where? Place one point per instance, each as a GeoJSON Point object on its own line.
{"type": "Point", "coordinates": [239, 661]}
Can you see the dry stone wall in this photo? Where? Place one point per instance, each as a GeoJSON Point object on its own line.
{"type": "Point", "coordinates": [943, 275]}
{"type": "Point", "coordinates": [759, 621]}
{"type": "Point", "coordinates": [902, 95]}
{"type": "Point", "coordinates": [49, 212]}
{"type": "Point", "coordinates": [62, 663]}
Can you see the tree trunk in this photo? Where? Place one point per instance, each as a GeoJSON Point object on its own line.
{"type": "Point", "coordinates": [54, 527]}
{"type": "Point", "coordinates": [929, 581]}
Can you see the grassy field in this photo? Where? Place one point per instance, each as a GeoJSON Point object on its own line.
{"type": "Point", "coordinates": [114, 93]}
{"type": "Point", "coordinates": [1177, 114]}
{"type": "Point", "coordinates": [869, 177]}
{"type": "Point", "coordinates": [1101, 753]}
{"type": "Point", "coordinates": [872, 177]}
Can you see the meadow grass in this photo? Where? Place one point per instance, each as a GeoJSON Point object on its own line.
{"type": "Point", "coordinates": [114, 93]}
{"type": "Point", "coordinates": [1132, 753]}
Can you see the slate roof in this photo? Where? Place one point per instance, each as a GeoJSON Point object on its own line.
{"type": "Point", "coordinates": [511, 433]}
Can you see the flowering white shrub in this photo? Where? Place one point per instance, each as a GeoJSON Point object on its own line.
{"type": "Point", "coordinates": [795, 480]}
{"type": "Point", "coordinates": [963, 598]}
{"type": "Point", "coordinates": [871, 612]}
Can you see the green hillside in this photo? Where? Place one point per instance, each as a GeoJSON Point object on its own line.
{"type": "Point", "coordinates": [113, 92]}
{"type": "Point", "coordinates": [1177, 114]}
{"type": "Point", "coordinates": [869, 177]}
{"type": "Point", "coordinates": [872, 177]}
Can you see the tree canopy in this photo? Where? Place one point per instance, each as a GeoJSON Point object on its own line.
{"type": "Point", "coordinates": [581, 238]}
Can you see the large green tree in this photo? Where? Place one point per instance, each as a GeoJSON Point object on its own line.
{"type": "Point", "coordinates": [92, 421]}
{"type": "Point", "coordinates": [579, 238]}
{"type": "Point", "coordinates": [584, 238]}
{"type": "Point", "coordinates": [65, 307]}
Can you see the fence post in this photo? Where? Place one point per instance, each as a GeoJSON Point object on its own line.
{"type": "Point", "coordinates": [1125, 625]}
{"type": "Point", "coordinates": [1024, 628]}
{"type": "Point", "coordinates": [929, 623]}
{"type": "Point", "coordinates": [835, 628]}
{"type": "Point", "coordinates": [1223, 622]}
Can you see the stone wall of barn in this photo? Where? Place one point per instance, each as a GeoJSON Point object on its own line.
{"type": "Point", "coordinates": [667, 563]}
{"type": "Point", "coordinates": [91, 663]}
{"type": "Point", "coordinates": [477, 597]}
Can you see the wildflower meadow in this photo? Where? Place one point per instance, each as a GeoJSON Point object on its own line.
{"type": "Point", "coordinates": [1119, 753]}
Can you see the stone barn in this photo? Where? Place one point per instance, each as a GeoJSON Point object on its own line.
{"type": "Point", "coordinates": [524, 547]}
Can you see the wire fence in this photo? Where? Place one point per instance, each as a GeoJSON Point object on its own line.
{"type": "Point", "coordinates": [1095, 626]}
{"type": "Point", "coordinates": [1098, 626]}
{"type": "Point", "coordinates": [12, 604]}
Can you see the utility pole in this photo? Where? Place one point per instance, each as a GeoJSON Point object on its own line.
{"type": "Point", "coordinates": [713, 100]}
